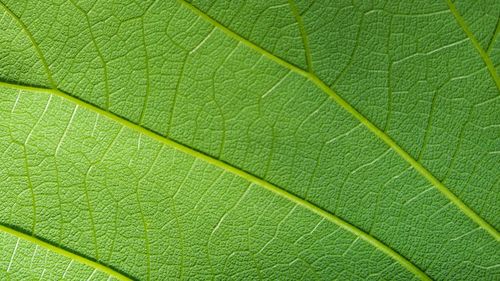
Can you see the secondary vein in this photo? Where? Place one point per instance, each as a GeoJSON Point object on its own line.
{"type": "Point", "coordinates": [484, 56]}
{"type": "Point", "coordinates": [494, 37]}
{"type": "Point", "coordinates": [65, 253]}
{"type": "Point", "coordinates": [303, 33]}
{"type": "Point", "coordinates": [33, 42]}
{"type": "Point", "coordinates": [320, 84]}
{"type": "Point", "coordinates": [236, 171]}
{"type": "Point", "coordinates": [445, 191]}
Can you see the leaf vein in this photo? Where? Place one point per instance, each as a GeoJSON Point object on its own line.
{"type": "Point", "coordinates": [99, 53]}
{"type": "Point", "coordinates": [33, 42]}
{"type": "Point", "coordinates": [235, 171]}
{"type": "Point", "coordinates": [303, 33]}
{"type": "Point", "coordinates": [60, 251]}
{"type": "Point", "coordinates": [445, 191]}
{"type": "Point", "coordinates": [484, 56]}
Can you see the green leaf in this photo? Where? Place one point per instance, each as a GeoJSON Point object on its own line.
{"type": "Point", "coordinates": [157, 140]}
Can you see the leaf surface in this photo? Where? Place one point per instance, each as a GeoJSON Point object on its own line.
{"type": "Point", "coordinates": [249, 140]}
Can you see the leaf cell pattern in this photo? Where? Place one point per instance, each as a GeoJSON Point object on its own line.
{"type": "Point", "coordinates": [157, 140]}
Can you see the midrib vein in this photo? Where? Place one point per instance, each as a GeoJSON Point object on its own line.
{"type": "Point", "coordinates": [223, 165]}
{"type": "Point", "coordinates": [484, 56]}
{"type": "Point", "coordinates": [361, 118]}
{"type": "Point", "coordinates": [65, 253]}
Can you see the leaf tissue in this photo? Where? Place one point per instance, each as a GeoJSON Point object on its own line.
{"type": "Point", "coordinates": [242, 140]}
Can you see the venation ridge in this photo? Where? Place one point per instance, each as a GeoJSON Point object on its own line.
{"type": "Point", "coordinates": [379, 245]}
{"type": "Point", "coordinates": [445, 191]}
{"type": "Point", "coordinates": [63, 252]}
{"type": "Point", "coordinates": [33, 42]}
{"type": "Point", "coordinates": [278, 190]}
{"type": "Point", "coordinates": [482, 53]}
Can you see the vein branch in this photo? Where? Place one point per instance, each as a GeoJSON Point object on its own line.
{"type": "Point", "coordinates": [484, 56]}
{"type": "Point", "coordinates": [379, 245]}
{"type": "Point", "coordinates": [60, 251]}
{"type": "Point", "coordinates": [261, 182]}
{"type": "Point", "coordinates": [30, 36]}
{"type": "Point", "coordinates": [494, 37]}
{"type": "Point", "coordinates": [444, 190]}
{"type": "Point", "coordinates": [303, 33]}
{"type": "Point", "coordinates": [99, 53]}
{"type": "Point", "coordinates": [245, 41]}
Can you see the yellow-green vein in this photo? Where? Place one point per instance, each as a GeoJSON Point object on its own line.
{"type": "Point", "coordinates": [245, 41]}
{"type": "Point", "coordinates": [303, 33]}
{"type": "Point", "coordinates": [33, 42]}
{"type": "Point", "coordinates": [360, 117]}
{"type": "Point", "coordinates": [65, 253]}
{"type": "Point", "coordinates": [461, 22]}
{"type": "Point", "coordinates": [98, 50]}
{"type": "Point", "coordinates": [494, 37]}
{"type": "Point", "coordinates": [236, 171]}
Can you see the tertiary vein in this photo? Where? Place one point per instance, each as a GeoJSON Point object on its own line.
{"type": "Point", "coordinates": [360, 117]}
{"type": "Point", "coordinates": [275, 189]}
{"type": "Point", "coordinates": [231, 169]}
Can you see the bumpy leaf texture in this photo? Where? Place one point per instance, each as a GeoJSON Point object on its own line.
{"type": "Point", "coordinates": [270, 139]}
